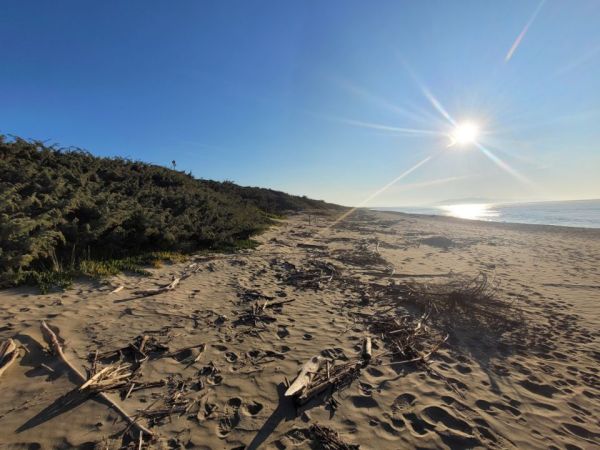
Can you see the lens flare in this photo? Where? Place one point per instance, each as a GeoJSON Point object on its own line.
{"type": "Point", "coordinates": [465, 133]}
{"type": "Point", "coordinates": [523, 32]}
{"type": "Point", "coordinates": [379, 191]}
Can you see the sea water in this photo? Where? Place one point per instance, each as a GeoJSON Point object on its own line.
{"type": "Point", "coordinates": [575, 213]}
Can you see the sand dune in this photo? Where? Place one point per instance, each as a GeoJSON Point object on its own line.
{"type": "Point", "coordinates": [535, 389]}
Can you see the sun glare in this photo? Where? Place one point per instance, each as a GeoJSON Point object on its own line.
{"type": "Point", "coordinates": [465, 133]}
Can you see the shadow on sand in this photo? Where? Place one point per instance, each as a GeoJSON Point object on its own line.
{"type": "Point", "coordinates": [34, 357]}
{"type": "Point", "coordinates": [61, 405]}
{"type": "Point", "coordinates": [286, 410]}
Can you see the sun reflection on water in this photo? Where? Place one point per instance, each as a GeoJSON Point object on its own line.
{"type": "Point", "coordinates": [472, 211]}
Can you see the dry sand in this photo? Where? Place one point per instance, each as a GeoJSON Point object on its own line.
{"type": "Point", "coordinates": [541, 392]}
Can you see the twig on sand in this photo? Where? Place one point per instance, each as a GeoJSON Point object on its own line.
{"type": "Point", "coordinates": [328, 439]}
{"type": "Point", "coordinates": [255, 316]}
{"type": "Point", "coordinates": [52, 340]}
{"type": "Point", "coordinates": [421, 358]}
{"type": "Point", "coordinates": [338, 377]}
{"type": "Point", "coordinates": [312, 246]}
{"type": "Point", "coordinates": [278, 304]}
{"type": "Point", "coordinates": [169, 287]}
{"type": "Point", "coordinates": [142, 348]}
{"type": "Point", "coordinates": [117, 289]}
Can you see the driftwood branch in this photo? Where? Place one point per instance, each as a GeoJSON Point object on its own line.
{"type": "Point", "coordinates": [342, 375]}
{"type": "Point", "coordinates": [8, 354]}
{"type": "Point", "coordinates": [278, 304]}
{"type": "Point", "coordinates": [52, 340]}
{"type": "Point", "coordinates": [315, 246]}
{"type": "Point", "coordinates": [328, 439]}
{"type": "Point", "coordinates": [169, 287]}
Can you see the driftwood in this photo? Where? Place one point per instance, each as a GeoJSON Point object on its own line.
{"type": "Point", "coordinates": [315, 377]}
{"type": "Point", "coordinates": [328, 439]}
{"type": "Point", "coordinates": [169, 287]}
{"type": "Point", "coordinates": [141, 349]}
{"type": "Point", "coordinates": [314, 246]}
{"type": "Point", "coordinates": [367, 348]}
{"type": "Point", "coordinates": [117, 289]}
{"type": "Point", "coordinates": [313, 275]}
{"type": "Point", "coordinates": [8, 354]}
{"type": "Point", "coordinates": [254, 316]}
{"type": "Point", "coordinates": [52, 340]}
{"type": "Point", "coordinates": [249, 295]}
{"type": "Point", "coordinates": [278, 304]}
{"type": "Point", "coordinates": [174, 402]}
{"type": "Point", "coordinates": [333, 378]}
{"type": "Point", "coordinates": [307, 371]}
{"type": "Point", "coordinates": [108, 378]}
{"type": "Point", "coordinates": [421, 358]}
{"type": "Point", "coordinates": [178, 351]}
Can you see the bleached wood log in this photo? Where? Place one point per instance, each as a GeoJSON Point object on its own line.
{"type": "Point", "coordinates": [8, 354]}
{"type": "Point", "coordinates": [317, 387]}
{"type": "Point", "coordinates": [307, 371]}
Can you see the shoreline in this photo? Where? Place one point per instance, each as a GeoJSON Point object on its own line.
{"type": "Point", "coordinates": [590, 230]}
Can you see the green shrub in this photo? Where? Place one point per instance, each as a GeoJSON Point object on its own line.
{"type": "Point", "coordinates": [50, 280]}
{"type": "Point", "coordinates": [100, 216]}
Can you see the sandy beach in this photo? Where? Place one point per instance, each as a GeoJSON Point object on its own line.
{"type": "Point", "coordinates": [535, 387]}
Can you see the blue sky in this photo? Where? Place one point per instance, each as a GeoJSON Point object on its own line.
{"type": "Point", "coordinates": [315, 97]}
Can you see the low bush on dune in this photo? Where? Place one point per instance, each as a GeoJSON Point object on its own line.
{"type": "Point", "coordinates": [67, 211]}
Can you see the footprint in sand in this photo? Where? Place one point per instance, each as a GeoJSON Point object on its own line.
{"type": "Point", "coordinates": [392, 428]}
{"type": "Point", "coordinates": [457, 384]}
{"type": "Point", "coordinates": [374, 372]}
{"type": "Point", "coordinates": [403, 402]}
{"type": "Point", "coordinates": [463, 368]}
{"type": "Point", "coordinates": [231, 417]}
{"type": "Point", "coordinates": [282, 332]}
{"type": "Point", "coordinates": [417, 424]}
{"type": "Point", "coordinates": [365, 388]}
{"type": "Point", "coordinates": [231, 357]}
{"type": "Point", "coordinates": [297, 436]}
{"type": "Point", "coordinates": [253, 408]}
{"type": "Point", "coordinates": [581, 432]}
{"type": "Point", "coordinates": [334, 353]}
{"type": "Point", "coordinates": [578, 408]}
{"type": "Point", "coordinates": [484, 429]}
{"type": "Point", "coordinates": [360, 401]}
{"type": "Point", "coordinates": [489, 407]}
{"type": "Point", "coordinates": [214, 379]}
{"type": "Point", "coordinates": [220, 347]}
{"type": "Point", "coordinates": [436, 414]}
{"type": "Point", "coordinates": [307, 337]}
{"type": "Point", "coordinates": [545, 390]}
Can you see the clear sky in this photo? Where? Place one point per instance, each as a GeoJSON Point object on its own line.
{"type": "Point", "coordinates": [332, 99]}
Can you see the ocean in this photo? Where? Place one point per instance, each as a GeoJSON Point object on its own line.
{"type": "Point", "coordinates": [576, 213]}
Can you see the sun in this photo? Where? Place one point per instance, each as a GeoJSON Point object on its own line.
{"type": "Point", "coordinates": [464, 133]}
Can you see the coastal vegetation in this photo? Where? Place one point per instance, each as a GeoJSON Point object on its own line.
{"type": "Point", "coordinates": [65, 212]}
